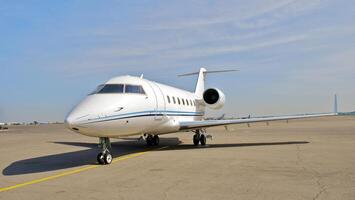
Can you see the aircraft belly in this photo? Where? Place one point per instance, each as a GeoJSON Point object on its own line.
{"type": "Point", "coordinates": [129, 127]}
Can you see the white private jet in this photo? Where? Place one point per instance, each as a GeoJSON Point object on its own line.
{"type": "Point", "coordinates": [127, 106]}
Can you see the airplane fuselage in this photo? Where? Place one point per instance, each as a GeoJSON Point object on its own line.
{"type": "Point", "coordinates": [154, 109]}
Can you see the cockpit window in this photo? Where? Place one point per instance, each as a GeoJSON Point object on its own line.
{"type": "Point", "coordinates": [111, 88]}
{"type": "Point", "coordinates": [97, 89]}
{"type": "Point", "coordinates": [137, 89]}
{"type": "Point", "coordinates": [118, 89]}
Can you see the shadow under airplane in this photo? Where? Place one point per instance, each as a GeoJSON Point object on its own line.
{"type": "Point", "coordinates": [120, 148]}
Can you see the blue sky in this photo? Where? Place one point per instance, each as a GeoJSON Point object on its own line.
{"type": "Point", "coordinates": [293, 54]}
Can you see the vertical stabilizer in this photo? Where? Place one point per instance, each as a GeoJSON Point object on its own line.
{"type": "Point", "coordinates": [200, 85]}
{"type": "Point", "coordinates": [335, 104]}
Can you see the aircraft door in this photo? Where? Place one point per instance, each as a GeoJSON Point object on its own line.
{"type": "Point", "coordinates": [160, 102]}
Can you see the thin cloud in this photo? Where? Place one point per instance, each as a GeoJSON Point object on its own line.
{"type": "Point", "coordinates": [334, 67]}
{"type": "Point", "coordinates": [259, 15]}
{"type": "Point", "coordinates": [134, 58]}
{"type": "Point", "coordinates": [227, 49]}
{"type": "Point", "coordinates": [150, 48]}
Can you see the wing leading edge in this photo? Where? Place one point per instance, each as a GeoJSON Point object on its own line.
{"type": "Point", "coordinates": [190, 125]}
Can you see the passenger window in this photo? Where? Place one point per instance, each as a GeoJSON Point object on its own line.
{"type": "Point", "coordinates": [191, 103]}
{"type": "Point", "coordinates": [174, 100]}
{"type": "Point", "coordinates": [168, 99]}
{"type": "Point", "coordinates": [183, 101]}
{"type": "Point", "coordinates": [187, 102]}
{"type": "Point", "coordinates": [110, 88]}
{"type": "Point", "coordinates": [178, 100]}
{"type": "Point", "coordinates": [134, 89]}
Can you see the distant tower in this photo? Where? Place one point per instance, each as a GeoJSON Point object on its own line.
{"type": "Point", "coordinates": [335, 104]}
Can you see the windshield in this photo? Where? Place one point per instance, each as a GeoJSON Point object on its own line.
{"type": "Point", "coordinates": [111, 88]}
{"type": "Point", "coordinates": [98, 88]}
{"type": "Point", "coordinates": [134, 89]}
{"type": "Point", "coordinates": [118, 88]}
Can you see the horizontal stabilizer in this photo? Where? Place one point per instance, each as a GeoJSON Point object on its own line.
{"type": "Point", "coordinates": [209, 72]}
{"type": "Point", "coordinates": [200, 85]}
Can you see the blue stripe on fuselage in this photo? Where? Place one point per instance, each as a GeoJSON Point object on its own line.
{"type": "Point", "coordinates": [143, 114]}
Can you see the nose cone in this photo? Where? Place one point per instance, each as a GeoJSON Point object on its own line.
{"type": "Point", "coordinates": [77, 116]}
{"type": "Point", "coordinates": [89, 106]}
{"type": "Point", "coordinates": [71, 120]}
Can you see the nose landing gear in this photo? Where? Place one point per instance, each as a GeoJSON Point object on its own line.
{"type": "Point", "coordinates": [104, 157]}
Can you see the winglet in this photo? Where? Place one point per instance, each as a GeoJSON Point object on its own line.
{"type": "Point", "coordinates": [335, 104]}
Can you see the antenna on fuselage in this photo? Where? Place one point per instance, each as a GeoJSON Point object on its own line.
{"type": "Point", "coordinates": [142, 75]}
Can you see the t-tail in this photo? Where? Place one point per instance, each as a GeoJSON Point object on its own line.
{"type": "Point", "coordinates": [200, 84]}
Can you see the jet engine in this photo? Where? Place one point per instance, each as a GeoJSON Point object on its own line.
{"type": "Point", "coordinates": [214, 98]}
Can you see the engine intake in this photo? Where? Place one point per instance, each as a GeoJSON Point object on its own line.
{"type": "Point", "coordinates": [214, 98]}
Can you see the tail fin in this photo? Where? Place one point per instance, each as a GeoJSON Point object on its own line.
{"type": "Point", "coordinates": [200, 85]}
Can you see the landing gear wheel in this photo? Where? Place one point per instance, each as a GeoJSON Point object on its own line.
{"type": "Point", "coordinates": [156, 140]}
{"type": "Point", "coordinates": [104, 157]}
{"type": "Point", "coordinates": [107, 158]}
{"type": "Point", "coordinates": [100, 158]}
{"type": "Point", "coordinates": [196, 139]}
{"type": "Point", "coordinates": [203, 140]}
{"type": "Point", "coordinates": [150, 140]}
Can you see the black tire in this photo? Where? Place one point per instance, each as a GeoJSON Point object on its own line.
{"type": "Point", "coordinates": [156, 140]}
{"type": "Point", "coordinates": [150, 141]}
{"type": "Point", "coordinates": [203, 140]}
{"type": "Point", "coordinates": [196, 139]}
{"type": "Point", "coordinates": [100, 158]}
{"type": "Point", "coordinates": [108, 158]}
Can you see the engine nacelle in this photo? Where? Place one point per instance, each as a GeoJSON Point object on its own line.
{"type": "Point", "coordinates": [214, 98]}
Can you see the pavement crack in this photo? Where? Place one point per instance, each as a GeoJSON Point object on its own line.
{"type": "Point", "coordinates": [321, 187]}
{"type": "Point", "coordinates": [316, 175]}
{"type": "Point", "coordinates": [321, 190]}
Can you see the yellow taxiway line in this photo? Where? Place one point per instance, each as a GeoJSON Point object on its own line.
{"type": "Point", "coordinates": [75, 171]}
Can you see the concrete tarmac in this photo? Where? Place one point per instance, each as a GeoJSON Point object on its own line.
{"type": "Point", "coordinates": [302, 159]}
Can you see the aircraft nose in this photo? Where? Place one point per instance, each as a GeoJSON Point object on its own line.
{"type": "Point", "coordinates": [72, 121]}
{"type": "Point", "coordinates": [69, 121]}
{"type": "Point", "coordinates": [83, 111]}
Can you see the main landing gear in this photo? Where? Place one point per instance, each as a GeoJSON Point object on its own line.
{"type": "Point", "coordinates": [152, 140]}
{"type": "Point", "coordinates": [104, 157]}
{"type": "Point", "coordinates": [199, 137]}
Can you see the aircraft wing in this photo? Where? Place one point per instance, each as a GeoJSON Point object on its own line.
{"type": "Point", "coordinates": [191, 125]}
